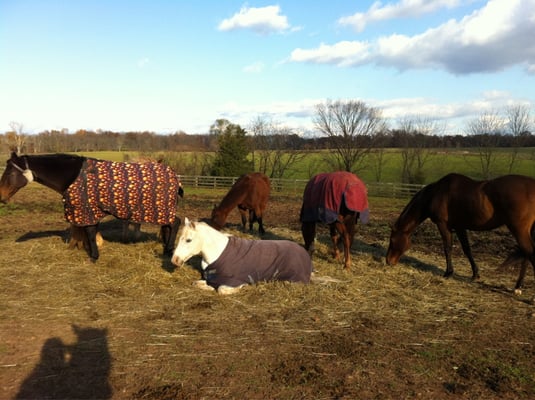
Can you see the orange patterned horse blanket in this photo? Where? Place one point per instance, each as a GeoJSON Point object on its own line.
{"type": "Point", "coordinates": [137, 192]}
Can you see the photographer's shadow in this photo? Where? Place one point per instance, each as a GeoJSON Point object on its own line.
{"type": "Point", "coordinates": [78, 371]}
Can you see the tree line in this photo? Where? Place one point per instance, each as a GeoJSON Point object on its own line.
{"type": "Point", "coordinates": [352, 131]}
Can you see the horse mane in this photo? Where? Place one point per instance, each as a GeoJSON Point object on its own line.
{"type": "Point", "coordinates": [234, 195]}
{"type": "Point", "coordinates": [417, 209]}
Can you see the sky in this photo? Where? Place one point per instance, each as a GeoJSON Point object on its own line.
{"type": "Point", "coordinates": [169, 66]}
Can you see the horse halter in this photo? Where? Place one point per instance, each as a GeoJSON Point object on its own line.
{"type": "Point", "coordinates": [27, 173]}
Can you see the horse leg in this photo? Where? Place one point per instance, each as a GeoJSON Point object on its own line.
{"type": "Point", "coordinates": [168, 233]}
{"type": "Point", "coordinates": [252, 219]}
{"type": "Point", "coordinates": [258, 217]}
{"type": "Point", "coordinates": [335, 229]}
{"type": "Point", "coordinates": [243, 214]}
{"type": "Point", "coordinates": [447, 243]}
{"type": "Point", "coordinates": [348, 234]}
{"type": "Point", "coordinates": [526, 245]}
{"type": "Point", "coordinates": [91, 233]}
{"type": "Point", "coordinates": [308, 229]}
{"type": "Point", "coordinates": [463, 238]}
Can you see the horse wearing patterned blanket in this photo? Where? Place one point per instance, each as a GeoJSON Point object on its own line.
{"type": "Point", "coordinates": [92, 189]}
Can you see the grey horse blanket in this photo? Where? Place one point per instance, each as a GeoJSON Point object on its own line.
{"type": "Point", "coordinates": [137, 192]}
{"type": "Point", "coordinates": [248, 261]}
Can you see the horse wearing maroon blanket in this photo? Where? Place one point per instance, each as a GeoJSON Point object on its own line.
{"type": "Point", "coordinates": [337, 199]}
{"type": "Point", "coordinates": [230, 263]}
{"type": "Point", "coordinates": [250, 194]}
{"type": "Point", "coordinates": [92, 189]}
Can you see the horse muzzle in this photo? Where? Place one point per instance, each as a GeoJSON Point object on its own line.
{"type": "Point", "coordinates": [177, 261]}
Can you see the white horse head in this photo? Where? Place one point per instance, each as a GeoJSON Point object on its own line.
{"type": "Point", "coordinates": [197, 238]}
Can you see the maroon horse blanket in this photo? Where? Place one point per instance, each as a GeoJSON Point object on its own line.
{"type": "Point", "coordinates": [144, 192]}
{"type": "Point", "coordinates": [326, 193]}
{"type": "Point", "coordinates": [248, 261]}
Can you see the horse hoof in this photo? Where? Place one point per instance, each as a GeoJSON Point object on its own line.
{"type": "Point", "coordinates": [448, 274]}
{"type": "Point", "coordinates": [517, 292]}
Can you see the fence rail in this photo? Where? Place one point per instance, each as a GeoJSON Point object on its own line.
{"type": "Point", "coordinates": [296, 187]}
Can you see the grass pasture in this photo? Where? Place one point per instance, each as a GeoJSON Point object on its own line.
{"type": "Point", "coordinates": [132, 326]}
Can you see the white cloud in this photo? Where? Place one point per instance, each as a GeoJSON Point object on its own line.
{"type": "Point", "coordinates": [254, 68]}
{"type": "Point", "coordinates": [403, 9]}
{"type": "Point", "coordinates": [493, 38]}
{"type": "Point", "coordinates": [345, 53]}
{"type": "Point", "coordinates": [262, 20]}
{"type": "Point", "coordinates": [143, 62]}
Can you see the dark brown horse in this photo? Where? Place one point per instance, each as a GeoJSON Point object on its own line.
{"type": "Point", "coordinates": [336, 199]}
{"type": "Point", "coordinates": [459, 204]}
{"type": "Point", "coordinates": [82, 182]}
{"type": "Point", "coordinates": [250, 194]}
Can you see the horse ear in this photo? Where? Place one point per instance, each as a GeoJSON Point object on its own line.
{"type": "Point", "coordinates": [186, 221]}
{"type": "Point", "coordinates": [13, 155]}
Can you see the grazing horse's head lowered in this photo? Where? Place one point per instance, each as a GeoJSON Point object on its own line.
{"type": "Point", "coordinates": [250, 193]}
{"type": "Point", "coordinates": [457, 203]}
{"type": "Point", "coordinates": [337, 199]}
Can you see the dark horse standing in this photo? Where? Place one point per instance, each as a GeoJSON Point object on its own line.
{"type": "Point", "coordinates": [91, 189]}
{"type": "Point", "coordinates": [336, 199]}
{"type": "Point", "coordinates": [250, 194]}
{"type": "Point", "coordinates": [457, 204]}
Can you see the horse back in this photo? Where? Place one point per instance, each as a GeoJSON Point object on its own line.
{"type": "Point", "coordinates": [512, 194]}
{"type": "Point", "coordinates": [251, 191]}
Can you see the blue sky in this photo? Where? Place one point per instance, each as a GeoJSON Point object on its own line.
{"type": "Point", "coordinates": [167, 66]}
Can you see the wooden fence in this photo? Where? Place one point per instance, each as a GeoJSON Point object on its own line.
{"type": "Point", "coordinates": [295, 187]}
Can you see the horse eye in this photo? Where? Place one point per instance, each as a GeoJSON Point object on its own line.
{"type": "Point", "coordinates": [188, 240]}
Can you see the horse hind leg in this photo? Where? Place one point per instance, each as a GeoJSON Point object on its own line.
{"type": "Point", "coordinates": [527, 247]}
{"type": "Point", "coordinates": [465, 244]}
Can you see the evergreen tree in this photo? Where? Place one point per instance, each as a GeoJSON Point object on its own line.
{"type": "Point", "coordinates": [231, 158]}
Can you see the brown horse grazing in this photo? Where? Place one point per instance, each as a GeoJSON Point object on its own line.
{"type": "Point", "coordinates": [250, 194]}
{"type": "Point", "coordinates": [458, 204]}
{"type": "Point", "coordinates": [336, 199]}
{"type": "Point", "coordinates": [92, 189]}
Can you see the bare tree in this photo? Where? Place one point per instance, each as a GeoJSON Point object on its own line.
{"type": "Point", "coordinates": [414, 132]}
{"type": "Point", "coordinates": [486, 130]}
{"type": "Point", "coordinates": [519, 125]}
{"type": "Point", "coordinates": [273, 152]}
{"type": "Point", "coordinates": [351, 127]}
{"type": "Point", "coordinates": [16, 137]}
{"type": "Point", "coordinates": [377, 156]}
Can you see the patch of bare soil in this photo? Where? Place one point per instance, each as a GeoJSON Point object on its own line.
{"type": "Point", "coordinates": [131, 326]}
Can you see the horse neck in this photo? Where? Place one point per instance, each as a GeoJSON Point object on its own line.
{"type": "Point", "coordinates": [231, 200]}
{"type": "Point", "coordinates": [214, 243]}
{"type": "Point", "coordinates": [414, 213]}
{"type": "Point", "coordinates": [55, 172]}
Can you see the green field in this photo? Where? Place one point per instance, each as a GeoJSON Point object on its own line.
{"type": "Point", "coordinates": [439, 162]}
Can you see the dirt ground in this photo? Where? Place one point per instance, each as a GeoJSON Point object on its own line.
{"type": "Point", "coordinates": [132, 326]}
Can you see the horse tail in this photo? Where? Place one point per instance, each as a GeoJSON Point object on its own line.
{"type": "Point", "coordinates": [515, 257]}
